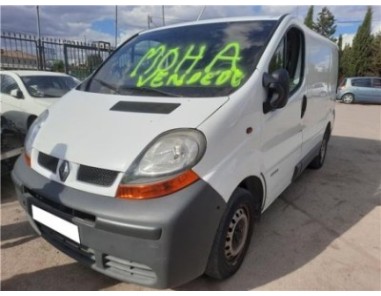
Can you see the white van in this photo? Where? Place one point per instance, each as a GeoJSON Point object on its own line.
{"type": "Point", "coordinates": [155, 168]}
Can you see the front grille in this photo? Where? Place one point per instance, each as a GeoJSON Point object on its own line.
{"type": "Point", "coordinates": [130, 270]}
{"type": "Point", "coordinates": [48, 162]}
{"type": "Point", "coordinates": [96, 176]}
{"type": "Point", "coordinates": [73, 249]}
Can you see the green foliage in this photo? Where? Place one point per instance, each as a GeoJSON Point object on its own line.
{"type": "Point", "coordinates": [362, 46]}
{"type": "Point", "coordinates": [308, 21]}
{"type": "Point", "coordinates": [58, 66]}
{"type": "Point", "coordinates": [376, 56]}
{"type": "Point", "coordinates": [325, 24]}
{"type": "Point", "coordinates": [93, 61]}
{"type": "Point", "coordinates": [347, 65]}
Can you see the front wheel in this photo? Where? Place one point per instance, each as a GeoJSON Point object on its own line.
{"type": "Point", "coordinates": [348, 98]}
{"type": "Point", "coordinates": [233, 236]}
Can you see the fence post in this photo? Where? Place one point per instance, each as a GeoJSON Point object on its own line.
{"type": "Point", "coordinates": [65, 59]}
{"type": "Point", "coordinates": [39, 58]}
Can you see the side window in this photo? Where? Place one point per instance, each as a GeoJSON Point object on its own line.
{"type": "Point", "coordinates": [277, 61]}
{"type": "Point", "coordinates": [362, 82]}
{"type": "Point", "coordinates": [8, 84]}
{"type": "Point", "coordinates": [289, 55]}
{"type": "Point", "coordinates": [376, 82]}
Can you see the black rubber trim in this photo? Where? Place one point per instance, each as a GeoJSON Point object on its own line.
{"type": "Point", "coordinates": [187, 220]}
{"type": "Point", "coordinates": [145, 107]}
{"type": "Point", "coordinates": [303, 164]}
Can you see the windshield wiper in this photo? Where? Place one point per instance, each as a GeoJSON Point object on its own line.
{"type": "Point", "coordinates": [135, 88]}
{"type": "Point", "coordinates": [148, 89]}
{"type": "Point", "coordinates": [109, 86]}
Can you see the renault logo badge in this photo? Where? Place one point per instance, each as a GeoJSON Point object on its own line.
{"type": "Point", "coordinates": [64, 170]}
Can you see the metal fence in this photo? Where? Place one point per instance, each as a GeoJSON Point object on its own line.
{"type": "Point", "coordinates": [27, 52]}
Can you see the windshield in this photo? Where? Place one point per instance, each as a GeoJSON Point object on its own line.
{"type": "Point", "coordinates": [204, 60]}
{"type": "Point", "coordinates": [48, 86]}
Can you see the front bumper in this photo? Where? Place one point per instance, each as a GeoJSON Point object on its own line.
{"type": "Point", "coordinates": [161, 242]}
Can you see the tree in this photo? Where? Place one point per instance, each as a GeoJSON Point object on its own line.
{"type": "Point", "coordinates": [93, 61]}
{"type": "Point", "coordinates": [309, 21]}
{"type": "Point", "coordinates": [340, 46]}
{"type": "Point", "coordinates": [58, 66]}
{"type": "Point", "coordinates": [347, 62]}
{"type": "Point", "coordinates": [325, 24]}
{"type": "Point", "coordinates": [362, 46]}
{"type": "Point", "coordinates": [376, 55]}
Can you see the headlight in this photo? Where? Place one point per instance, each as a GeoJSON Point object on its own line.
{"type": "Point", "coordinates": [165, 165]}
{"type": "Point", "coordinates": [33, 131]}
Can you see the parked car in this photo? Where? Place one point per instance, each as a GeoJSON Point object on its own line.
{"type": "Point", "coordinates": [26, 94]}
{"type": "Point", "coordinates": [360, 90]}
{"type": "Point", "coordinates": [154, 169]}
{"type": "Point", "coordinates": [11, 145]}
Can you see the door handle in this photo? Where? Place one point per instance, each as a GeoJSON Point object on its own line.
{"type": "Point", "coordinates": [304, 106]}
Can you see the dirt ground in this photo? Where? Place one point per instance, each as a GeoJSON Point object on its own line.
{"type": "Point", "coordinates": [322, 233]}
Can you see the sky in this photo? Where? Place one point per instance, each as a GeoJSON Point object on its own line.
{"type": "Point", "coordinates": [97, 23]}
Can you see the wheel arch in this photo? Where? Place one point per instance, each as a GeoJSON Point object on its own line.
{"type": "Point", "coordinates": [257, 188]}
{"type": "Point", "coordinates": [30, 120]}
{"type": "Point", "coordinates": [348, 93]}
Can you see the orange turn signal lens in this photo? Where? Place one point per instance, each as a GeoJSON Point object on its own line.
{"type": "Point", "coordinates": [27, 159]}
{"type": "Point", "coordinates": [158, 189]}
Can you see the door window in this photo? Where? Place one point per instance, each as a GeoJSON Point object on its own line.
{"type": "Point", "coordinates": [289, 56]}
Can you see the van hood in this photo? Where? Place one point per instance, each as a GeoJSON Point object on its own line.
{"type": "Point", "coordinates": [110, 131]}
{"type": "Point", "coordinates": [46, 102]}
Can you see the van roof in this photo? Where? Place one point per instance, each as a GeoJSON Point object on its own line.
{"type": "Point", "coordinates": [217, 20]}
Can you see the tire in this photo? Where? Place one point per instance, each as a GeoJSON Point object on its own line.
{"type": "Point", "coordinates": [348, 98]}
{"type": "Point", "coordinates": [233, 236]}
{"type": "Point", "coordinates": [318, 161]}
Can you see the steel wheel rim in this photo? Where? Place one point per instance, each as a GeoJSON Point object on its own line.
{"type": "Point", "coordinates": [237, 234]}
{"type": "Point", "coordinates": [347, 99]}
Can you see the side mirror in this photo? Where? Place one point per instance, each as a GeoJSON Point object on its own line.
{"type": "Point", "coordinates": [277, 86]}
{"type": "Point", "coordinates": [16, 93]}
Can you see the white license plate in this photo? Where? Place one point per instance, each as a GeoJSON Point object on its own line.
{"type": "Point", "coordinates": [57, 224]}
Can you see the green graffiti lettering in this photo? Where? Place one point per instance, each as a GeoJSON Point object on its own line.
{"type": "Point", "coordinates": [224, 77]}
{"type": "Point", "coordinates": [141, 81]}
{"type": "Point", "coordinates": [171, 54]}
{"type": "Point", "coordinates": [189, 57]}
{"type": "Point", "coordinates": [166, 67]}
{"type": "Point", "coordinates": [157, 81]}
{"type": "Point", "coordinates": [176, 80]}
{"type": "Point", "coordinates": [194, 78]}
{"type": "Point", "coordinates": [237, 78]}
{"type": "Point", "coordinates": [205, 80]}
{"type": "Point", "coordinates": [224, 56]}
{"type": "Point", "coordinates": [152, 52]}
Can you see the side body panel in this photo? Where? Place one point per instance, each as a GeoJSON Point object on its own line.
{"type": "Point", "coordinates": [321, 69]}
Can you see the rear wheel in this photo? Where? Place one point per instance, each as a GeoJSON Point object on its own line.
{"type": "Point", "coordinates": [348, 98]}
{"type": "Point", "coordinates": [318, 161]}
{"type": "Point", "coordinates": [233, 236]}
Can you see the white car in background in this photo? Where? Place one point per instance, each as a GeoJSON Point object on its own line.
{"type": "Point", "coordinates": [26, 94]}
